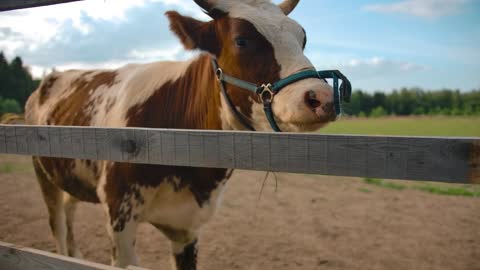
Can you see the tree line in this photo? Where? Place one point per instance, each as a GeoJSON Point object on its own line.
{"type": "Point", "coordinates": [414, 101]}
{"type": "Point", "coordinates": [17, 83]}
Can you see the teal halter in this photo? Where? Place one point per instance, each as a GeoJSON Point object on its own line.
{"type": "Point", "coordinates": [266, 92]}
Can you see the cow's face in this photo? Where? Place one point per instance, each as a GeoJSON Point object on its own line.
{"type": "Point", "coordinates": [255, 40]}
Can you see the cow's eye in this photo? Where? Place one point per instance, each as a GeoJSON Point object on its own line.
{"type": "Point", "coordinates": [241, 42]}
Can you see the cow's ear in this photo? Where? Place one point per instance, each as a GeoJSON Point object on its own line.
{"type": "Point", "coordinates": [194, 34]}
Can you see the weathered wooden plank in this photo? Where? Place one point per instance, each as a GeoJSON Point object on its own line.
{"type": "Point", "coordinates": [357, 156]}
{"type": "Point", "coordinates": [102, 141]}
{"type": "Point", "coordinates": [141, 145]}
{"type": "Point", "coordinates": [297, 154]}
{"type": "Point", "coordinates": [210, 149]}
{"type": "Point", "coordinates": [19, 4]}
{"type": "Point", "coordinates": [43, 141]}
{"type": "Point", "coordinates": [196, 148]}
{"type": "Point", "coordinates": [243, 157]}
{"type": "Point", "coordinates": [474, 162]}
{"type": "Point", "coordinates": [3, 146]}
{"type": "Point", "coordinates": [155, 147]}
{"type": "Point", "coordinates": [261, 151]}
{"type": "Point", "coordinates": [115, 143]}
{"type": "Point", "coordinates": [13, 257]}
{"type": "Point", "coordinates": [337, 153]}
{"type": "Point", "coordinates": [10, 139]}
{"type": "Point", "coordinates": [77, 142]}
{"type": "Point", "coordinates": [66, 149]}
{"type": "Point", "coordinates": [32, 142]}
{"type": "Point", "coordinates": [128, 144]}
{"type": "Point", "coordinates": [317, 154]}
{"type": "Point", "coordinates": [278, 152]}
{"type": "Point", "coordinates": [54, 137]}
{"type": "Point", "coordinates": [90, 144]}
{"type": "Point", "coordinates": [376, 157]}
{"type": "Point", "coordinates": [455, 160]}
{"type": "Point", "coordinates": [168, 147]}
{"type": "Point", "coordinates": [21, 140]}
{"type": "Point", "coordinates": [226, 150]}
{"type": "Point", "coordinates": [182, 149]}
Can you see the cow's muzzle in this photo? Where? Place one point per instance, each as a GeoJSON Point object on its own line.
{"type": "Point", "coordinates": [266, 92]}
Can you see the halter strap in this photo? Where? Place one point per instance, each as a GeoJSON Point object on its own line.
{"type": "Point", "coordinates": [222, 78]}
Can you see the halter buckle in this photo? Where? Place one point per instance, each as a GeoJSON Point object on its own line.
{"type": "Point", "coordinates": [219, 74]}
{"type": "Point", "coordinates": [265, 93]}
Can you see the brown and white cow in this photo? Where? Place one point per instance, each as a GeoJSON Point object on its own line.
{"type": "Point", "coordinates": [253, 40]}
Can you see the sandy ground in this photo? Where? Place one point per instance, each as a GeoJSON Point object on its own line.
{"type": "Point", "coordinates": [311, 222]}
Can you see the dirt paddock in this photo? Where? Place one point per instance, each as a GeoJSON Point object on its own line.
{"type": "Point", "coordinates": [310, 222]}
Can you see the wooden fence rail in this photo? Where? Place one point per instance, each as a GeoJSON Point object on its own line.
{"type": "Point", "coordinates": [454, 160]}
{"type": "Point", "coordinates": [19, 4]}
{"type": "Point", "coordinates": [13, 257]}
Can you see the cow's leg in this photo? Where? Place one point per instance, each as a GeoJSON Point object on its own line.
{"type": "Point", "coordinates": [61, 208]}
{"type": "Point", "coordinates": [123, 209]}
{"type": "Point", "coordinates": [53, 197]}
{"type": "Point", "coordinates": [184, 247]}
{"type": "Point", "coordinates": [70, 204]}
{"type": "Point", "coordinates": [123, 202]}
{"type": "Point", "coordinates": [123, 244]}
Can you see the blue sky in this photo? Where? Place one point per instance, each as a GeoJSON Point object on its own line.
{"type": "Point", "coordinates": [378, 44]}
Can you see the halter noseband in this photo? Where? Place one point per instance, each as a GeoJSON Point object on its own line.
{"type": "Point", "coordinates": [266, 92]}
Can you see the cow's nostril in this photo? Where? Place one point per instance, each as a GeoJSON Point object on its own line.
{"type": "Point", "coordinates": [313, 103]}
{"type": "Point", "coordinates": [311, 100]}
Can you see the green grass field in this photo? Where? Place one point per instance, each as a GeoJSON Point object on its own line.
{"type": "Point", "coordinates": [407, 126]}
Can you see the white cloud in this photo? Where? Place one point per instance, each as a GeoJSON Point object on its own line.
{"type": "Point", "coordinates": [43, 24]}
{"type": "Point", "coordinates": [366, 66]}
{"type": "Point", "coordinates": [173, 53]}
{"type": "Point", "coordinates": [93, 34]}
{"type": "Point", "coordinates": [379, 64]}
{"type": "Point", "coordinates": [373, 72]}
{"type": "Point", "coordinates": [421, 8]}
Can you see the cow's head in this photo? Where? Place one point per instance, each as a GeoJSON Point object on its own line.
{"type": "Point", "coordinates": [255, 40]}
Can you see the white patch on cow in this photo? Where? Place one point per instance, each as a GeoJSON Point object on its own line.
{"type": "Point", "coordinates": [60, 227]}
{"type": "Point", "coordinates": [124, 245]}
{"type": "Point", "coordinates": [229, 120]}
{"type": "Point", "coordinates": [69, 205]}
{"type": "Point", "coordinates": [139, 82]}
{"type": "Point", "coordinates": [84, 173]}
{"type": "Point", "coordinates": [285, 35]}
{"type": "Point", "coordinates": [222, 187]}
{"type": "Point", "coordinates": [102, 181]}
{"type": "Point", "coordinates": [179, 209]}
{"type": "Point", "coordinates": [261, 122]}
{"type": "Point", "coordinates": [37, 114]}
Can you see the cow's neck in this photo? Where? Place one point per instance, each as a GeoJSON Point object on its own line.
{"type": "Point", "coordinates": [189, 102]}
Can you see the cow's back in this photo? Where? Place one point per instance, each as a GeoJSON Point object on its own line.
{"type": "Point", "coordinates": [97, 97]}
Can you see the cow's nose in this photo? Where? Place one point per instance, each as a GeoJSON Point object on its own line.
{"type": "Point", "coordinates": [311, 100]}
{"type": "Point", "coordinates": [321, 103]}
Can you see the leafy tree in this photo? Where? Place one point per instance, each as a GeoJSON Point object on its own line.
{"type": "Point", "coordinates": [16, 83]}
{"type": "Point", "coordinates": [9, 106]}
{"type": "Point", "coordinates": [4, 75]}
{"type": "Point", "coordinates": [415, 101]}
{"type": "Point", "coordinates": [378, 112]}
